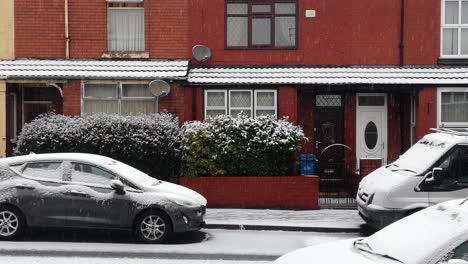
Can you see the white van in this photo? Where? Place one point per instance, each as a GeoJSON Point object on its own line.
{"type": "Point", "coordinates": [434, 170]}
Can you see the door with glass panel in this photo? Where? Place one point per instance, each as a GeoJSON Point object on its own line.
{"type": "Point", "coordinates": [371, 127]}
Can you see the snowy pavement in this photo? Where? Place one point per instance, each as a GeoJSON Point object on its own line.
{"type": "Point", "coordinates": [302, 220]}
{"type": "Point", "coordinates": [211, 245]}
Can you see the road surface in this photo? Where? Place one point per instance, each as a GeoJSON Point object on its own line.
{"type": "Point", "coordinates": [206, 246]}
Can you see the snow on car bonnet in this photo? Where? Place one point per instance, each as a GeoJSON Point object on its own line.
{"type": "Point", "coordinates": [414, 238]}
{"type": "Point", "coordinates": [426, 152]}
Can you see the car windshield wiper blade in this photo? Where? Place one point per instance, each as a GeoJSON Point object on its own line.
{"type": "Point", "coordinates": [405, 170]}
{"type": "Point", "coordinates": [392, 164]}
{"type": "Point", "coordinates": [364, 246]}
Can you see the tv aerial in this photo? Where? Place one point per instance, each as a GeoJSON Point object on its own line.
{"type": "Point", "coordinates": [201, 53]}
{"type": "Point", "coordinates": [159, 88]}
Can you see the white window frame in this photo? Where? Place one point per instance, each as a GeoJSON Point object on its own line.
{"type": "Point", "coordinates": [118, 94]}
{"type": "Point", "coordinates": [126, 8]}
{"type": "Point", "coordinates": [241, 108]}
{"type": "Point", "coordinates": [440, 123]}
{"type": "Point", "coordinates": [227, 101]}
{"type": "Point", "coordinates": [275, 102]}
{"type": "Point", "coordinates": [224, 108]}
{"type": "Point", "coordinates": [458, 26]}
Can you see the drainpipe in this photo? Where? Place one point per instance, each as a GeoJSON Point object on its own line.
{"type": "Point", "coordinates": [402, 34]}
{"type": "Point", "coordinates": [67, 36]}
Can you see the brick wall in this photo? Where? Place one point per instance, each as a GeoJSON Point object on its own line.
{"type": "Point", "coordinates": [175, 102]}
{"type": "Point", "coordinates": [369, 165]}
{"type": "Point", "coordinates": [426, 112]}
{"type": "Point", "coordinates": [306, 119]}
{"type": "Point", "coordinates": [350, 133]}
{"type": "Point", "coordinates": [39, 29]}
{"type": "Point", "coordinates": [394, 127]}
{"type": "Point", "coordinates": [72, 98]}
{"type": "Point", "coordinates": [287, 103]}
{"type": "Point", "coordinates": [283, 192]}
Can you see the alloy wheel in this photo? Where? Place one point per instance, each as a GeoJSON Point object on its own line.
{"type": "Point", "coordinates": [9, 223]}
{"type": "Point", "coordinates": [152, 227]}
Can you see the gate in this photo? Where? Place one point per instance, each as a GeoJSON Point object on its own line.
{"type": "Point", "coordinates": [337, 190]}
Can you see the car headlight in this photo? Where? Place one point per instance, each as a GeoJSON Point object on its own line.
{"type": "Point", "coordinates": [184, 203]}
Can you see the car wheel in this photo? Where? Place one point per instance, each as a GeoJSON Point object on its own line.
{"type": "Point", "coordinates": [12, 223]}
{"type": "Point", "coordinates": [153, 226]}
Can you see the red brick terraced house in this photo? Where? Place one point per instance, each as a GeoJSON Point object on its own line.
{"type": "Point", "coordinates": [82, 57]}
{"type": "Point", "coordinates": [365, 79]}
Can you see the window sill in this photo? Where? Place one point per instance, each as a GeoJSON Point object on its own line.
{"type": "Point", "coordinates": [452, 61]}
{"type": "Point", "coordinates": [125, 55]}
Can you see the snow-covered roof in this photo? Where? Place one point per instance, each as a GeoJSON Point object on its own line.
{"type": "Point", "coordinates": [330, 75]}
{"type": "Point", "coordinates": [93, 69]}
{"type": "Point", "coordinates": [83, 157]}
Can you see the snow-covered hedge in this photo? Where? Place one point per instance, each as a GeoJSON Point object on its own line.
{"type": "Point", "coordinates": [240, 145]}
{"type": "Point", "coordinates": [150, 143]}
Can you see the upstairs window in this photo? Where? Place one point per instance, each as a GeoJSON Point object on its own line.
{"type": "Point", "coordinates": [261, 24]}
{"type": "Point", "coordinates": [125, 26]}
{"type": "Point", "coordinates": [454, 28]}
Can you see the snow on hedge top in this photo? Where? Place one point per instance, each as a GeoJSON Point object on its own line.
{"type": "Point", "coordinates": [266, 130]}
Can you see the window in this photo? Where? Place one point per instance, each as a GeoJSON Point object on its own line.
{"type": "Point", "coordinates": [86, 173]}
{"type": "Point", "coordinates": [233, 102]}
{"type": "Point", "coordinates": [454, 169]}
{"type": "Point", "coordinates": [118, 98]}
{"type": "Point", "coordinates": [454, 28]}
{"type": "Point", "coordinates": [46, 170]}
{"type": "Point", "coordinates": [453, 107]}
{"type": "Point", "coordinates": [261, 24]}
{"type": "Point", "coordinates": [125, 26]}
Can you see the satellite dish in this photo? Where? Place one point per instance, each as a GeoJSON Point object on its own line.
{"type": "Point", "coordinates": [159, 88]}
{"type": "Point", "coordinates": [201, 53]}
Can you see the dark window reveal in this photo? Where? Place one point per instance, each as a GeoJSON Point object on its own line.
{"type": "Point", "coordinates": [261, 24]}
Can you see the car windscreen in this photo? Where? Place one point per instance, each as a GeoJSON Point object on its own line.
{"type": "Point", "coordinates": [422, 155]}
{"type": "Point", "coordinates": [132, 174]}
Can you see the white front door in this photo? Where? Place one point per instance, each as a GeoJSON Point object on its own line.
{"type": "Point", "coordinates": [371, 127]}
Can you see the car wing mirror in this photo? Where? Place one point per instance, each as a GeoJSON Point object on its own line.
{"type": "Point", "coordinates": [435, 176]}
{"type": "Point", "coordinates": [117, 186]}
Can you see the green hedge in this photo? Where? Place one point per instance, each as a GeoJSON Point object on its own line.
{"type": "Point", "coordinates": [150, 143]}
{"type": "Point", "coordinates": [240, 146]}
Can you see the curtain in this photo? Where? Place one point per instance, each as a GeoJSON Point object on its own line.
{"type": "Point", "coordinates": [261, 31]}
{"type": "Point", "coordinates": [285, 31]}
{"type": "Point", "coordinates": [237, 31]}
{"type": "Point", "coordinates": [454, 107]}
{"type": "Point", "coordinates": [126, 29]}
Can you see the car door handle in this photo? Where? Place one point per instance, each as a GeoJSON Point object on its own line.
{"type": "Point", "coordinates": [75, 192]}
{"type": "Point", "coordinates": [24, 186]}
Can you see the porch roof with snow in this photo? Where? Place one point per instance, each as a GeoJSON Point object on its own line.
{"type": "Point", "coordinates": [24, 69]}
{"type": "Point", "coordinates": [407, 75]}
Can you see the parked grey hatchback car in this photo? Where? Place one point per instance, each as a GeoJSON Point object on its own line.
{"type": "Point", "coordinates": [77, 190]}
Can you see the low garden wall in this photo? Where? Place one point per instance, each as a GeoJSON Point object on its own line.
{"type": "Point", "coordinates": [279, 192]}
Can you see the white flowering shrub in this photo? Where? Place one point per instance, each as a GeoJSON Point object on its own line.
{"type": "Point", "coordinates": [241, 145]}
{"type": "Point", "coordinates": [150, 142]}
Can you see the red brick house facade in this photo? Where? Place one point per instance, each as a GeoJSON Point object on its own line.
{"type": "Point", "coordinates": [368, 77]}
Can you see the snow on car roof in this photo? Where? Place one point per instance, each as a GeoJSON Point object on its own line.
{"type": "Point", "coordinates": [83, 157]}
